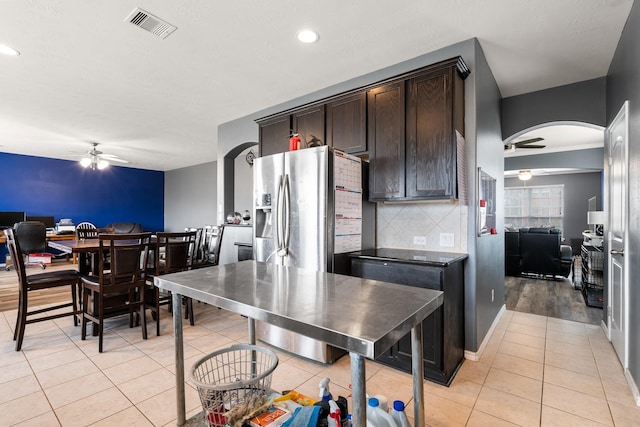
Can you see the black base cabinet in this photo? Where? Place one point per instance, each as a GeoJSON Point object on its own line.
{"type": "Point", "coordinates": [443, 330]}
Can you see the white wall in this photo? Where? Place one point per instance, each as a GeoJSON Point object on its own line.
{"type": "Point", "coordinates": [190, 197]}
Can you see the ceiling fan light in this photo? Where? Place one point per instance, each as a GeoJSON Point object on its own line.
{"type": "Point", "coordinates": [7, 50]}
{"type": "Point", "coordinates": [102, 164]}
{"type": "Point", "coordinates": [85, 162]}
{"type": "Point", "coordinates": [524, 175]}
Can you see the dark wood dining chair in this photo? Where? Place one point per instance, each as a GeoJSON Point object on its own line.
{"type": "Point", "coordinates": [91, 233]}
{"type": "Point", "coordinates": [173, 252]}
{"type": "Point", "coordinates": [34, 282]}
{"type": "Point", "coordinates": [33, 240]}
{"type": "Point", "coordinates": [198, 256]}
{"type": "Point", "coordinates": [217, 245]}
{"type": "Point", "coordinates": [118, 288]}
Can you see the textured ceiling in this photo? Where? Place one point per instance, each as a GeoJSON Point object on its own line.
{"type": "Point", "coordinates": [84, 74]}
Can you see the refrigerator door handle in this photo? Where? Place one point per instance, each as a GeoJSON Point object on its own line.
{"type": "Point", "coordinates": [287, 215]}
{"type": "Point", "coordinates": [283, 218]}
{"type": "Point", "coordinates": [278, 216]}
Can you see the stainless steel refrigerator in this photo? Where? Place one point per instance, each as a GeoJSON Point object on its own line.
{"type": "Point", "coordinates": [310, 209]}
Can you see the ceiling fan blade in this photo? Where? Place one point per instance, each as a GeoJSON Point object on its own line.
{"type": "Point", "coordinates": [527, 141]}
{"type": "Point", "coordinates": [115, 159]}
{"type": "Point", "coordinates": [533, 146]}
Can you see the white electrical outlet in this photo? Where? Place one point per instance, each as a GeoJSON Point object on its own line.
{"type": "Point", "coordinates": [420, 240]}
{"type": "Point", "coordinates": [446, 240]}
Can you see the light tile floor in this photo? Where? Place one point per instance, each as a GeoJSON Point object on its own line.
{"type": "Point", "coordinates": [535, 371]}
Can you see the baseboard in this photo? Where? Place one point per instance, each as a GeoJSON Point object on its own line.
{"type": "Point", "coordinates": [633, 386]}
{"type": "Point", "coordinates": [605, 329]}
{"type": "Point", "coordinates": [476, 355]}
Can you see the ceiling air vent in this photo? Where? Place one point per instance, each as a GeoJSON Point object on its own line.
{"type": "Point", "coordinates": [148, 22]}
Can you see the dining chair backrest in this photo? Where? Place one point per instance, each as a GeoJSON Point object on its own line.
{"type": "Point", "coordinates": [16, 255]}
{"type": "Point", "coordinates": [174, 251]}
{"type": "Point", "coordinates": [125, 266]}
{"type": "Point", "coordinates": [217, 245]}
{"type": "Point", "coordinates": [85, 226]}
{"type": "Point", "coordinates": [32, 236]}
{"type": "Point", "coordinates": [211, 239]}
{"type": "Point", "coordinates": [92, 233]}
{"type": "Point", "coordinates": [198, 254]}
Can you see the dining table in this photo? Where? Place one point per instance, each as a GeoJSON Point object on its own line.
{"type": "Point", "coordinates": [84, 248]}
{"type": "Point", "coordinates": [362, 316]}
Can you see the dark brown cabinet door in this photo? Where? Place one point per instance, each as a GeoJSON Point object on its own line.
{"type": "Point", "coordinates": [274, 135]}
{"type": "Point", "coordinates": [431, 144]}
{"type": "Point", "coordinates": [432, 350]}
{"type": "Point", "coordinates": [386, 141]}
{"type": "Point", "coordinates": [309, 124]}
{"type": "Point", "coordinates": [442, 331]}
{"type": "Point", "coordinates": [346, 120]}
{"type": "Point", "coordinates": [407, 126]}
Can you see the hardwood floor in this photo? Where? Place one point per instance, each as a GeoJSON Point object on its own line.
{"type": "Point", "coordinates": [9, 287]}
{"type": "Point", "coordinates": [552, 298]}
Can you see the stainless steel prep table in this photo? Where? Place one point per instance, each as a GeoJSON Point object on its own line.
{"type": "Point", "coordinates": [364, 317]}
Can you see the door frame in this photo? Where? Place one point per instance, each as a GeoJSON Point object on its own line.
{"type": "Point", "coordinates": [622, 116]}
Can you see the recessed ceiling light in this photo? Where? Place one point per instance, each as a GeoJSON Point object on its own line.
{"type": "Point", "coordinates": [8, 50]}
{"type": "Point", "coordinates": [308, 36]}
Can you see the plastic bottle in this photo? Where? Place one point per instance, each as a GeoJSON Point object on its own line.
{"type": "Point", "coordinates": [383, 403]}
{"type": "Point", "coordinates": [325, 394]}
{"type": "Point", "coordinates": [333, 419]}
{"type": "Point", "coordinates": [377, 416]}
{"type": "Point", "coordinates": [398, 414]}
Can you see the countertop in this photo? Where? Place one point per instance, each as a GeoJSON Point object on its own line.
{"type": "Point", "coordinates": [359, 315]}
{"type": "Point", "coordinates": [431, 258]}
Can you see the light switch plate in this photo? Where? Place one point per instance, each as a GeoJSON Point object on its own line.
{"type": "Point", "coordinates": [446, 240]}
{"type": "Point", "coordinates": [420, 240]}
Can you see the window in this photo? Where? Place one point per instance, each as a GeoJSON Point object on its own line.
{"type": "Point", "coordinates": [539, 206]}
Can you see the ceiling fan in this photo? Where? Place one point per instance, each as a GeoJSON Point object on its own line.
{"type": "Point", "coordinates": [96, 159]}
{"type": "Point", "coordinates": [512, 146]}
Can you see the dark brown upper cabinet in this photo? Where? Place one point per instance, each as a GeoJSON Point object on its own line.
{"type": "Point", "coordinates": [386, 141]}
{"type": "Point", "coordinates": [412, 135]}
{"type": "Point", "coordinates": [308, 123]}
{"type": "Point", "coordinates": [406, 125]}
{"type": "Point", "coordinates": [346, 123]}
{"type": "Point", "coordinates": [275, 130]}
{"type": "Point", "coordinates": [433, 115]}
{"type": "Point", "coordinates": [274, 134]}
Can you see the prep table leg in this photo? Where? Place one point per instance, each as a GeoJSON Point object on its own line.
{"type": "Point", "coordinates": [358, 396]}
{"type": "Point", "coordinates": [417, 366]}
{"type": "Point", "coordinates": [177, 333]}
{"type": "Point", "coordinates": [251, 323]}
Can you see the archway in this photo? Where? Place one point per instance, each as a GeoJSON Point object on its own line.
{"type": "Point", "coordinates": [229, 174]}
{"type": "Point", "coordinates": [569, 155]}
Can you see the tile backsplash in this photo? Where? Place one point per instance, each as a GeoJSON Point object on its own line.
{"type": "Point", "coordinates": [398, 224]}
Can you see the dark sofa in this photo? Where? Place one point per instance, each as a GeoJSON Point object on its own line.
{"type": "Point", "coordinates": [125, 227]}
{"type": "Point", "coordinates": [536, 251]}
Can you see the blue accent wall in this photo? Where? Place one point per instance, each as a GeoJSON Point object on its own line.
{"type": "Point", "coordinates": [64, 189]}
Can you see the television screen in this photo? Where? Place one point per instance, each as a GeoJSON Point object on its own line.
{"type": "Point", "coordinates": [48, 221]}
{"type": "Point", "coordinates": [8, 219]}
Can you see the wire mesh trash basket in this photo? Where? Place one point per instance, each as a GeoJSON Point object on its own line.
{"type": "Point", "coordinates": [230, 376]}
